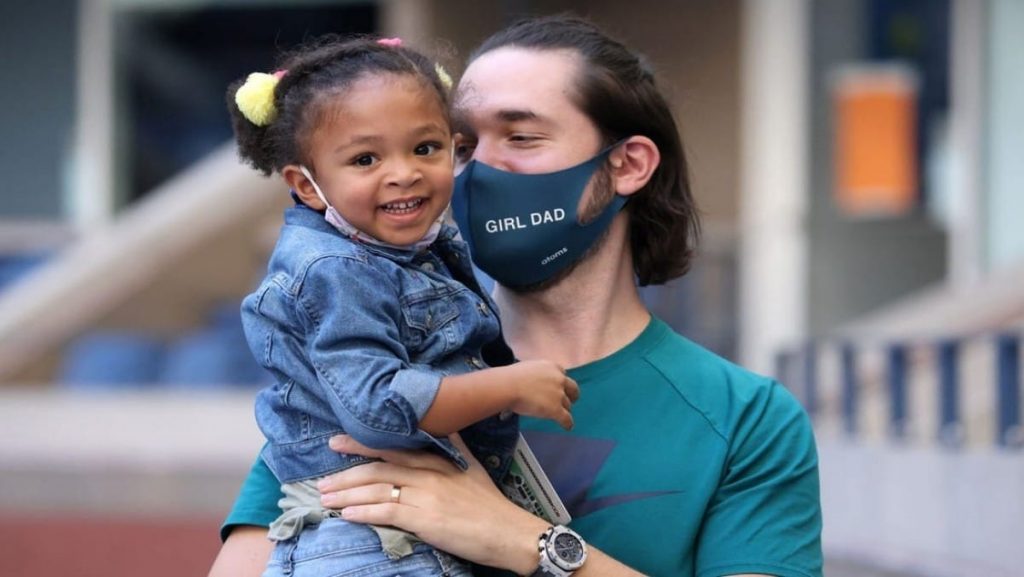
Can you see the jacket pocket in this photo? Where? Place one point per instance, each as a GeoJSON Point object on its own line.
{"type": "Point", "coordinates": [429, 330]}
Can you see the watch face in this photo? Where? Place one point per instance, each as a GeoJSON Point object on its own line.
{"type": "Point", "coordinates": [568, 548]}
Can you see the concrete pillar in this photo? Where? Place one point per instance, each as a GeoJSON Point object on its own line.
{"type": "Point", "coordinates": [967, 75]}
{"type": "Point", "coordinates": [92, 193]}
{"type": "Point", "coordinates": [773, 181]}
{"type": "Point", "coordinates": [1004, 139]}
{"type": "Point", "coordinates": [411, 20]}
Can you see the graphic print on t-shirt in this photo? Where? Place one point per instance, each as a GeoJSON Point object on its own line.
{"type": "Point", "coordinates": [572, 463]}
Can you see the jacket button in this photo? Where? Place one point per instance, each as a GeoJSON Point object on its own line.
{"type": "Point", "coordinates": [492, 462]}
{"type": "Point", "coordinates": [427, 266]}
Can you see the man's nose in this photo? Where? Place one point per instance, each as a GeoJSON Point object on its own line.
{"type": "Point", "coordinates": [486, 152]}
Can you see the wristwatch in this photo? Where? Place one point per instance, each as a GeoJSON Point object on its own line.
{"type": "Point", "coordinates": [562, 552]}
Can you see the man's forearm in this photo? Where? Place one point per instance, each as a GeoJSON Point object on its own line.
{"type": "Point", "coordinates": [244, 553]}
{"type": "Point", "coordinates": [600, 564]}
{"type": "Point", "coordinates": [528, 557]}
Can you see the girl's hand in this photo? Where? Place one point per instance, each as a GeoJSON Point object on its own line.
{"type": "Point", "coordinates": [460, 512]}
{"type": "Point", "coordinates": [543, 390]}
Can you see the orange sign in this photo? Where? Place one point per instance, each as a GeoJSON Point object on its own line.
{"type": "Point", "coordinates": [875, 148]}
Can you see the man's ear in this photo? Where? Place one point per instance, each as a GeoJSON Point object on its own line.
{"type": "Point", "coordinates": [302, 186]}
{"type": "Point", "coordinates": [633, 162]}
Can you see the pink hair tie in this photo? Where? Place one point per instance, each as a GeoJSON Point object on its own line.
{"type": "Point", "coordinates": [279, 74]}
{"type": "Point", "coordinates": [393, 42]}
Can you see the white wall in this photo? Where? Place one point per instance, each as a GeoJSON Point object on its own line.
{"type": "Point", "coordinates": [773, 184]}
{"type": "Point", "coordinates": [937, 512]}
{"type": "Point", "coordinates": [54, 455]}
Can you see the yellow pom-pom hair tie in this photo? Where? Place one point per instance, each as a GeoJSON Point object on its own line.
{"type": "Point", "coordinates": [255, 98]}
{"type": "Point", "coordinates": [443, 76]}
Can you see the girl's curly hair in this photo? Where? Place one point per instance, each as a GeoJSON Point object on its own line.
{"type": "Point", "coordinates": [324, 68]}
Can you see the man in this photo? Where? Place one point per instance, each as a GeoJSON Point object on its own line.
{"type": "Point", "coordinates": [679, 462]}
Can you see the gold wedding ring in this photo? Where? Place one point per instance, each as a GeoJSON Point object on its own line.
{"type": "Point", "coordinates": [396, 493]}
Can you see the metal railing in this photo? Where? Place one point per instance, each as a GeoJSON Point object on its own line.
{"type": "Point", "coordinates": [835, 389]}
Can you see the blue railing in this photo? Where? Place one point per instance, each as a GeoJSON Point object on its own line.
{"type": "Point", "coordinates": [801, 369]}
{"type": "Point", "coordinates": [1008, 397]}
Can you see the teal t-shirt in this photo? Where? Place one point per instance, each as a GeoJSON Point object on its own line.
{"type": "Point", "coordinates": [256, 503]}
{"type": "Point", "coordinates": [680, 463]}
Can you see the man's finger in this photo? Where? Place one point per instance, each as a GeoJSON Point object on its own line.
{"type": "Point", "coordinates": [415, 459]}
{"type": "Point", "coordinates": [456, 440]}
{"type": "Point", "coordinates": [363, 495]}
{"type": "Point", "coordinates": [378, 472]}
{"type": "Point", "coordinates": [378, 514]}
{"type": "Point", "coordinates": [346, 444]}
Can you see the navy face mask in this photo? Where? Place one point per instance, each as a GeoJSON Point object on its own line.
{"type": "Point", "coordinates": [523, 229]}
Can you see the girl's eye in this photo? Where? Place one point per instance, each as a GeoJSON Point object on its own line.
{"type": "Point", "coordinates": [363, 160]}
{"type": "Point", "coordinates": [427, 148]}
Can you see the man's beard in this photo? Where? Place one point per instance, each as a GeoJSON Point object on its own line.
{"type": "Point", "coordinates": [599, 201]}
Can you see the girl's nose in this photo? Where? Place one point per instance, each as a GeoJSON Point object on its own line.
{"type": "Point", "coordinates": [405, 173]}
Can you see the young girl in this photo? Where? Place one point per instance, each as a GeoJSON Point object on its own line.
{"type": "Point", "coordinates": [369, 317]}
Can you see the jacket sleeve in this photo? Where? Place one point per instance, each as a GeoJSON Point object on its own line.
{"type": "Point", "coordinates": [353, 313]}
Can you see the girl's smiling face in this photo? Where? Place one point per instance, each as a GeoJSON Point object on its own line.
{"type": "Point", "coordinates": [381, 154]}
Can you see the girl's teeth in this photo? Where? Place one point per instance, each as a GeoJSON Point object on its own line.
{"type": "Point", "coordinates": [403, 206]}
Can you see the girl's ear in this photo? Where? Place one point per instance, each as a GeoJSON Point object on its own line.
{"type": "Point", "coordinates": [633, 162]}
{"type": "Point", "coordinates": [302, 186]}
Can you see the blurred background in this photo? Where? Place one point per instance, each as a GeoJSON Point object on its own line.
{"type": "Point", "coordinates": [858, 162]}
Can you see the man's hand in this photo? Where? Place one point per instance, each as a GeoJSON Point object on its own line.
{"type": "Point", "coordinates": [459, 512]}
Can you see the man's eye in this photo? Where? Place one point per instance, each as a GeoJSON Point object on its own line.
{"type": "Point", "coordinates": [464, 150]}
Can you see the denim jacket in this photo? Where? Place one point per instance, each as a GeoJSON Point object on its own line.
{"type": "Point", "coordinates": [358, 338]}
